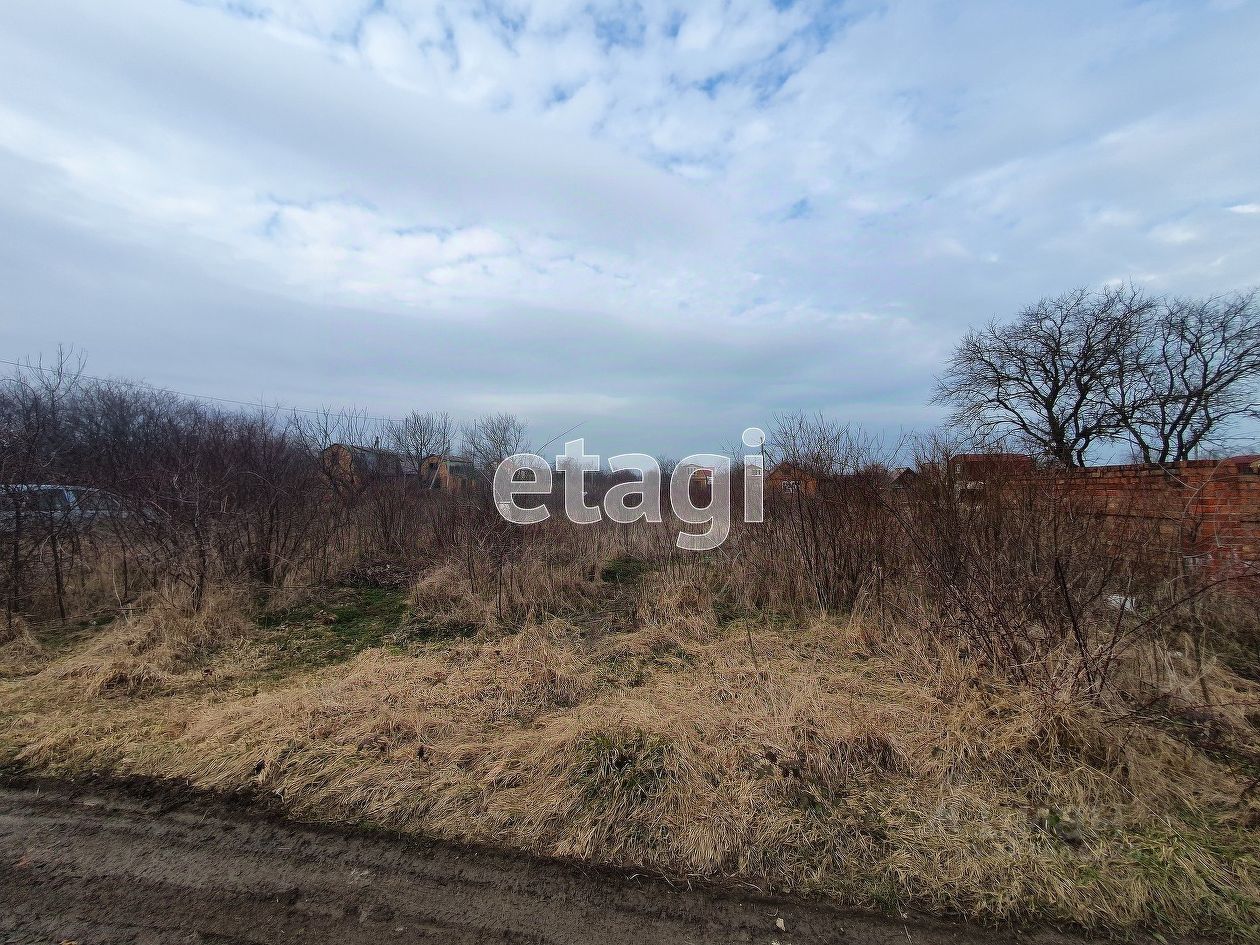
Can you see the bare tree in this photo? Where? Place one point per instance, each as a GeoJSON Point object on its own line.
{"type": "Point", "coordinates": [35, 447]}
{"type": "Point", "coordinates": [318, 431]}
{"type": "Point", "coordinates": [491, 439]}
{"type": "Point", "coordinates": [1041, 381]}
{"type": "Point", "coordinates": [819, 445]}
{"type": "Point", "coordinates": [421, 435]}
{"type": "Point", "coordinates": [1172, 376]}
{"type": "Point", "coordinates": [1186, 372]}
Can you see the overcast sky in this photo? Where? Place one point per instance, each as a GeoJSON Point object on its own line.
{"type": "Point", "coordinates": [666, 221]}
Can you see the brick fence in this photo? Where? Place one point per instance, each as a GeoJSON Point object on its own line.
{"type": "Point", "coordinates": [1208, 510]}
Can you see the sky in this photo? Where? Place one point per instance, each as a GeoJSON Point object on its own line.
{"type": "Point", "coordinates": [662, 222]}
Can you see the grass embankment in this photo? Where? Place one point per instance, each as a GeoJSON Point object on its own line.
{"type": "Point", "coordinates": [625, 722]}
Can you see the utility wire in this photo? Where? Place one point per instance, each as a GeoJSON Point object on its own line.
{"type": "Point", "coordinates": [558, 435]}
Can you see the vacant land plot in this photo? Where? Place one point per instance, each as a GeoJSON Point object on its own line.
{"type": "Point", "coordinates": [608, 702]}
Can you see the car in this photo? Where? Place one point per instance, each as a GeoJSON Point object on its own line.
{"type": "Point", "coordinates": [73, 506]}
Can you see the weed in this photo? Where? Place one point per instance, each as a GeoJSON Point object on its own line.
{"type": "Point", "coordinates": [340, 623]}
{"type": "Point", "coordinates": [624, 569]}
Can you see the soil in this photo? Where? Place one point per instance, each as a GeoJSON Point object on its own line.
{"type": "Point", "coordinates": [139, 862]}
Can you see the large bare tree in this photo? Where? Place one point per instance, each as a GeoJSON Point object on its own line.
{"type": "Point", "coordinates": [1041, 380]}
{"type": "Point", "coordinates": [1186, 373]}
{"type": "Point", "coordinates": [1172, 377]}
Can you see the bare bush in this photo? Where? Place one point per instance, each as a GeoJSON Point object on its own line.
{"type": "Point", "coordinates": [192, 495]}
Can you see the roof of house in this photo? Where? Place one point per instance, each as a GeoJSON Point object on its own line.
{"type": "Point", "coordinates": [787, 466]}
{"type": "Point", "coordinates": [371, 457]}
{"type": "Point", "coordinates": [995, 457]}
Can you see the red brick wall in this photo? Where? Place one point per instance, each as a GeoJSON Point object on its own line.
{"type": "Point", "coordinates": [1207, 510]}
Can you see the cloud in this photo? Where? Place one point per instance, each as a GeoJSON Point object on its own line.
{"type": "Point", "coordinates": [1175, 233]}
{"type": "Point", "coordinates": [672, 218]}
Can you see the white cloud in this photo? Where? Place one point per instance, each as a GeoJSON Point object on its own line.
{"type": "Point", "coordinates": [1174, 233]}
{"type": "Point", "coordinates": [753, 175]}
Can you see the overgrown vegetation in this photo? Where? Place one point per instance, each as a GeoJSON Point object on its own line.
{"type": "Point", "coordinates": [967, 702]}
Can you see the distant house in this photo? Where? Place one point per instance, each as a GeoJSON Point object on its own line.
{"type": "Point", "coordinates": [700, 476]}
{"type": "Point", "coordinates": [354, 466]}
{"type": "Point", "coordinates": [790, 479]}
{"type": "Point", "coordinates": [349, 465]}
{"type": "Point", "coordinates": [447, 473]}
{"type": "Point", "coordinates": [973, 470]}
{"type": "Point", "coordinates": [903, 477]}
{"type": "Point", "coordinates": [699, 481]}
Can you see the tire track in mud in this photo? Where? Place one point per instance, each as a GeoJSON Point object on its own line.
{"type": "Point", "coordinates": [100, 864]}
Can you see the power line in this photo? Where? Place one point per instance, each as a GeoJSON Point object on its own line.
{"type": "Point", "coordinates": [558, 435]}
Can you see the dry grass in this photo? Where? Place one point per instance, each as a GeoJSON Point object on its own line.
{"type": "Point", "coordinates": [154, 646]}
{"type": "Point", "coordinates": [20, 650]}
{"type": "Point", "coordinates": [880, 768]}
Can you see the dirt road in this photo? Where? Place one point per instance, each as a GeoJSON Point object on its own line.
{"type": "Point", "coordinates": [95, 865]}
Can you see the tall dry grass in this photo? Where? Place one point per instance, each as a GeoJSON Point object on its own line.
{"type": "Point", "coordinates": [803, 759]}
{"type": "Point", "coordinates": [154, 646]}
{"type": "Point", "coordinates": [999, 720]}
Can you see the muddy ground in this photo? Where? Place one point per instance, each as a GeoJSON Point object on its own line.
{"type": "Point", "coordinates": [100, 863]}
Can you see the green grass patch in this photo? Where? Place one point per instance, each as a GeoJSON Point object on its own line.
{"type": "Point", "coordinates": [345, 621]}
{"type": "Point", "coordinates": [625, 570]}
{"type": "Point", "coordinates": [58, 637]}
{"type": "Point", "coordinates": [634, 766]}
